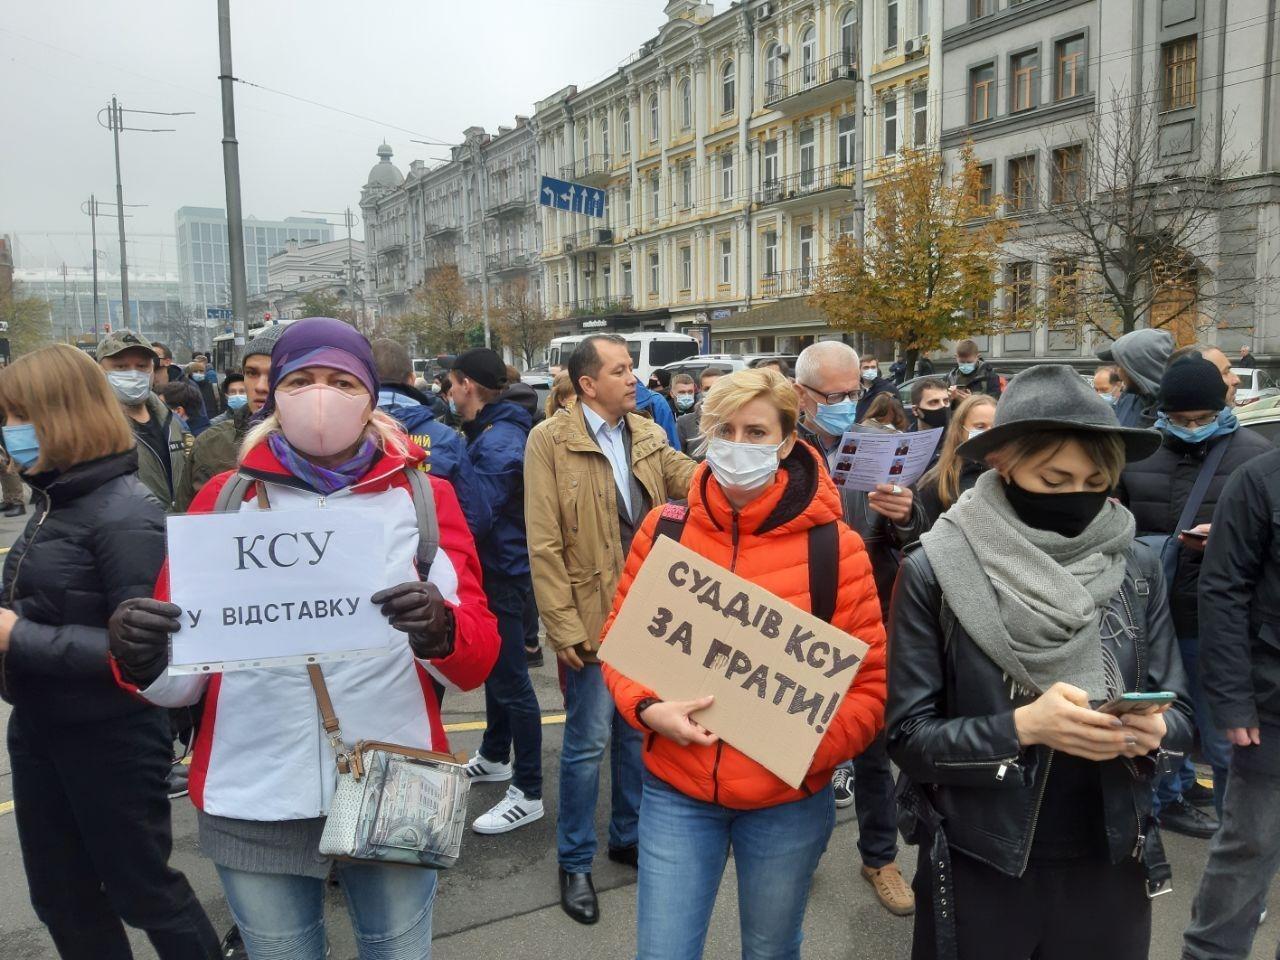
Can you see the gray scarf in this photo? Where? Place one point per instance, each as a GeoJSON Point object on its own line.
{"type": "Point", "coordinates": [1032, 600]}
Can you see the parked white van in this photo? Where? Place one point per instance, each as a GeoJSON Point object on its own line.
{"type": "Point", "coordinates": [648, 351]}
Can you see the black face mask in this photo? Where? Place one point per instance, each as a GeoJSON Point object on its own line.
{"type": "Point", "coordinates": [1067, 514]}
{"type": "Point", "coordinates": [933, 418]}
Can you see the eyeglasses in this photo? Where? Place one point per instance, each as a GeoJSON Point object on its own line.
{"type": "Point", "coordinates": [833, 398]}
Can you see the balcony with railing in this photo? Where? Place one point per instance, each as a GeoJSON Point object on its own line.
{"type": "Point", "coordinates": [509, 261]}
{"type": "Point", "coordinates": [798, 189]}
{"type": "Point", "coordinates": [591, 239]}
{"type": "Point", "coordinates": [813, 84]}
{"type": "Point", "coordinates": [598, 306]}
{"type": "Point", "coordinates": [592, 170]}
{"type": "Point", "coordinates": [790, 283]}
{"type": "Point", "coordinates": [511, 205]}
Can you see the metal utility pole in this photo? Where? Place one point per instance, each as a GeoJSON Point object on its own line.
{"type": "Point", "coordinates": [231, 173]}
{"type": "Point", "coordinates": [351, 220]}
{"type": "Point", "coordinates": [124, 261]}
{"type": "Point", "coordinates": [93, 233]}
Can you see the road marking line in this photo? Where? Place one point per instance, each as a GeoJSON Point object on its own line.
{"type": "Point", "coordinates": [548, 719]}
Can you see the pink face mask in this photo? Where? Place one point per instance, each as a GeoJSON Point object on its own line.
{"type": "Point", "coordinates": [322, 420]}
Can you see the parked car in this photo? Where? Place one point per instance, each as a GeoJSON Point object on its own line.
{"type": "Point", "coordinates": [1253, 382]}
{"type": "Point", "coordinates": [695, 365]}
{"type": "Point", "coordinates": [759, 359]}
{"type": "Point", "coordinates": [1263, 417]}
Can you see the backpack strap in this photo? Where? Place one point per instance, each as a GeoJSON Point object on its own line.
{"type": "Point", "coordinates": [824, 569]}
{"type": "Point", "coordinates": [671, 522]}
{"type": "Point", "coordinates": [424, 504]}
{"type": "Point", "coordinates": [947, 620]}
{"type": "Point", "coordinates": [233, 493]}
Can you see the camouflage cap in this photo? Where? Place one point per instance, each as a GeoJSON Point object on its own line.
{"type": "Point", "coordinates": [118, 341]}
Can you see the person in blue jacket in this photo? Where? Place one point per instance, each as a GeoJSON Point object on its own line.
{"type": "Point", "coordinates": [655, 406]}
{"type": "Point", "coordinates": [446, 449]}
{"type": "Point", "coordinates": [496, 432]}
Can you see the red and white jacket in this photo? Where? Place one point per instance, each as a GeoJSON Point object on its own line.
{"type": "Point", "coordinates": [261, 752]}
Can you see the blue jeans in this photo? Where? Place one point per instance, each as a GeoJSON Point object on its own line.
{"type": "Point", "coordinates": [684, 845]}
{"type": "Point", "coordinates": [510, 704]}
{"type": "Point", "coordinates": [281, 917]}
{"type": "Point", "coordinates": [1213, 745]}
{"type": "Point", "coordinates": [591, 724]}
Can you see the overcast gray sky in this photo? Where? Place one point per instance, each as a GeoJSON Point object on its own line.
{"type": "Point", "coordinates": [428, 67]}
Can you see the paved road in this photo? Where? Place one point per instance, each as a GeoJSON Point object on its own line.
{"type": "Point", "coordinates": [503, 900]}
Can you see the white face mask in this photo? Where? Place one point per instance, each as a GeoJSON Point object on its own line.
{"type": "Point", "coordinates": [742, 467]}
{"type": "Point", "coordinates": [131, 387]}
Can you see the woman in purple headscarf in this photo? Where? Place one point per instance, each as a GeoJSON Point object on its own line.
{"type": "Point", "coordinates": [262, 773]}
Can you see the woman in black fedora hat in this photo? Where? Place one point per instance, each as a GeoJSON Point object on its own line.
{"type": "Point", "coordinates": [1026, 608]}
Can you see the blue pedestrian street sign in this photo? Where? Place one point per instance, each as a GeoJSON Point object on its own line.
{"type": "Point", "coordinates": [574, 197]}
{"type": "Point", "coordinates": [217, 313]}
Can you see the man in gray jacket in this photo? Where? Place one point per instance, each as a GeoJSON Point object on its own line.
{"type": "Point", "coordinates": [1142, 357]}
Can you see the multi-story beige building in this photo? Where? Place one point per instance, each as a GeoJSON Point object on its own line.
{"type": "Point", "coordinates": [729, 148]}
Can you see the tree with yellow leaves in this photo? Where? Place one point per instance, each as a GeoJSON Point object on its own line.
{"type": "Point", "coordinates": [927, 271]}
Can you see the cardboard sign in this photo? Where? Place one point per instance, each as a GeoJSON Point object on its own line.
{"type": "Point", "coordinates": [272, 587]}
{"type": "Point", "coordinates": [690, 628]}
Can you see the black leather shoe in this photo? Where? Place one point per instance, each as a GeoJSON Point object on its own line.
{"type": "Point", "coordinates": [1181, 817]}
{"type": "Point", "coordinates": [578, 897]}
{"type": "Point", "coordinates": [627, 856]}
{"type": "Point", "coordinates": [15, 509]}
{"type": "Point", "coordinates": [233, 947]}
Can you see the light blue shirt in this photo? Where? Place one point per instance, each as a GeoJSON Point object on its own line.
{"type": "Point", "coordinates": [613, 443]}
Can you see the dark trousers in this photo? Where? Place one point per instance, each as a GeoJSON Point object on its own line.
{"type": "Point", "coordinates": [511, 706]}
{"type": "Point", "coordinates": [93, 822]}
{"type": "Point", "coordinates": [874, 803]}
{"type": "Point", "coordinates": [1064, 911]}
{"type": "Point", "coordinates": [531, 621]}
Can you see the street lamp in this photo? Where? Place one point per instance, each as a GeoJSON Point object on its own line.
{"type": "Point", "coordinates": [115, 123]}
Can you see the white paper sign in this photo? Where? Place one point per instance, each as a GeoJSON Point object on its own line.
{"type": "Point", "coordinates": [272, 587]}
{"type": "Point", "coordinates": [865, 458]}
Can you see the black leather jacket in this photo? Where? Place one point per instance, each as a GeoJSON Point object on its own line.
{"type": "Point", "coordinates": [950, 724]}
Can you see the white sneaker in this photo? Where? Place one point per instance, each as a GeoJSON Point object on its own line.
{"type": "Point", "coordinates": [513, 810]}
{"type": "Point", "coordinates": [480, 770]}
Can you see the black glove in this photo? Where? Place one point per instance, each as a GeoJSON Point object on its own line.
{"type": "Point", "coordinates": [418, 609]}
{"type": "Point", "coordinates": [139, 634]}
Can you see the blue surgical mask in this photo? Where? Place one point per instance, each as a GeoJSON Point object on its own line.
{"type": "Point", "coordinates": [198, 377]}
{"type": "Point", "coordinates": [835, 418]}
{"type": "Point", "coordinates": [453, 407]}
{"type": "Point", "coordinates": [684, 402]}
{"type": "Point", "coordinates": [966, 368]}
{"type": "Point", "coordinates": [871, 374]}
{"type": "Point", "coordinates": [237, 401]}
{"type": "Point", "coordinates": [1226, 422]}
{"type": "Point", "coordinates": [976, 432]}
{"type": "Point", "coordinates": [1111, 398]}
{"type": "Point", "coordinates": [22, 444]}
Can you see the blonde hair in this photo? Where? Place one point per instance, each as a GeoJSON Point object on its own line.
{"type": "Point", "coordinates": [731, 393]}
{"type": "Point", "coordinates": [561, 395]}
{"type": "Point", "coordinates": [385, 430]}
{"type": "Point", "coordinates": [946, 472]}
{"type": "Point", "coordinates": [1106, 450]}
{"type": "Point", "coordinates": [66, 397]}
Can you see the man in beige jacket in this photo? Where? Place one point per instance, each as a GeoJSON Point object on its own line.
{"type": "Point", "coordinates": [591, 473]}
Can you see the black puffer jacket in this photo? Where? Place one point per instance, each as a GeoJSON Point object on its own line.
{"type": "Point", "coordinates": [950, 724]}
{"type": "Point", "coordinates": [96, 538]}
{"type": "Point", "coordinates": [1156, 489]}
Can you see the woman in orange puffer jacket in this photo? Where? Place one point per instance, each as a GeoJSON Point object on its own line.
{"type": "Point", "coordinates": [751, 506]}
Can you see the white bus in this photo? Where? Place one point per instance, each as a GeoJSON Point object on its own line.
{"type": "Point", "coordinates": [648, 351]}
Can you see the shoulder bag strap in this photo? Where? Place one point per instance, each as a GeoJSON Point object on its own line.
{"type": "Point", "coordinates": [232, 493]}
{"type": "Point", "coordinates": [1210, 466]}
{"type": "Point", "coordinates": [424, 504]}
{"type": "Point", "coordinates": [328, 718]}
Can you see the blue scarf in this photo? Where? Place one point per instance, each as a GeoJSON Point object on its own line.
{"type": "Point", "coordinates": [1225, 424]}
{"type": "Point", "coordinates": [324, 480]}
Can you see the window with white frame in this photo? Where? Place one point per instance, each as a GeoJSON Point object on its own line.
{"type": "Point", "coordinates": [919, 118]}
{"type": "Point", "coordinates": [686, 268]}
{"type": "Point", "coordinates": [655, 199]}
{"type": "Point", "coordinates": [891, 25]}
{"type": "Point", "coordinates": [849, 37]}
{"type": "Point", "coordinates": [727, 85]}
{"type": "Point", "coordinates": [806, 251]}
{"type": "Point", "coordinates": [686, 184]}
{"type": "Point", "coordinates": [653, 272]}
{"type": "Point", "coordinates": [726, 261]}
{"type": "Point", "coordinates": [772, 67]}
{"type": "Point", "coordinates": [808, 156]}
{"type": "Point", "coordinates": [686, 106]}
{"type": "Point", "coordinates": [626, 205]}
{"type": "Point", "coordinates": [770, 161]}
{"type": "Point", "coordinates": [586, 145]}
{"type": "Point", "coordinates": [604, 136]}
{"type": "Point", "coordinates": [626, 278]}
{"type": "Point", "coordinates": [809, 56]}
{"type": "Point", "coordinates": [653, 118]}
{"type": "Point", "coordinates": [770, 253]}
{"type": "Point", "coordinates": [726, 175]}
{"type": "Point", "coordinates": [845, 227]}
{"type": "Point", "coordinates": [626, 131]}
{"type": "Point", "coordinates": [889, 110]}
{"type": "Point", "coordinates": [922, 18]}
{"type": "Point", "coordinates": [845, 133]}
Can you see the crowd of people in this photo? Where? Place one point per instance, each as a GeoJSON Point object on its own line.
{"type": "Point", "coordinates": [1077, 599]}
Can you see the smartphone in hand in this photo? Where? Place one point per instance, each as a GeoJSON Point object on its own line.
{"type": "Point", "coordinates": [1138, 702]}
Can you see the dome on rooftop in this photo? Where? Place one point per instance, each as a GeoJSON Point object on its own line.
{"type": "Point", "coordinates": [384, 172]}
